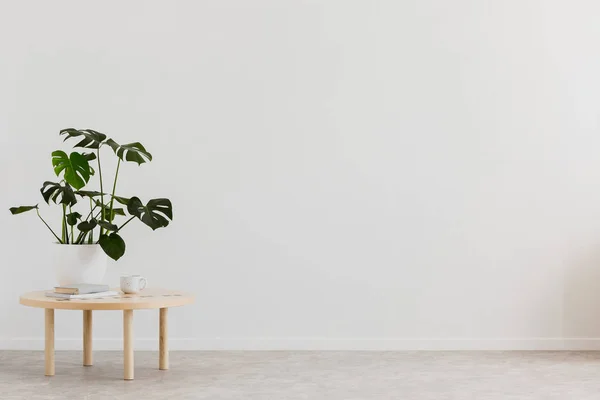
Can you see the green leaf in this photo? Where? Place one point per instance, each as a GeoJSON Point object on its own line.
{"type": "Point", "coordinates": [154, 214]}
{"type": "Point", "coordinates": [73, 217]}
{"type": "Point", "coordinates": [91, 139]}
{"type": "Point", "coordinates": [88, 193]}
{"type": "Point", "coordinates": [87, 226]}
{"type": "Point", "coordinates": [93, 193]}
{"type": "Point", "coordinates": [118, 211]}
{"type": "Point", "coordinates": [107, 214]}
{"type": "Point", "coordinates": [113, 245]}
{"type": "Point", "coordinates": [131, 151]}
{"type": "Point", "coordinates": [52, 191]}
{"type": "Point", "coordinates": [121, 200]}
{"type": "Point", "coordinates": [22, 209]}
{"type": "Point", "coordinates": [75, 167]}
{"type": "Point", "coordinates": [89, 156]}
{"type": "Point", "coordinates": [108, 226]}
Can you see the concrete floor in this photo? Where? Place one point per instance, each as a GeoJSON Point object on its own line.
{"type": "Point", "coordinates": [307, 375]}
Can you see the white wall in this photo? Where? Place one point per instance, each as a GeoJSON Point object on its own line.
{"type": "Point", "coordinates": [345, 174]}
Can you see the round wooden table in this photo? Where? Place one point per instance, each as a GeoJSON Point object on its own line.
{"type": "Point", "coordinates": [149, 298]}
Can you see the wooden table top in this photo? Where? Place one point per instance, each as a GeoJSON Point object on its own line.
{"type": "Point", "coordinates": [148, 298]}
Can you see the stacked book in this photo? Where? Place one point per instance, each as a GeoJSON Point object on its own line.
{"type": "Point", "coordinates": [81, 291]}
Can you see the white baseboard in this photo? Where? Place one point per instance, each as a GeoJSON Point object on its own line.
{"type": "Point", "coordinates": [373, 344]}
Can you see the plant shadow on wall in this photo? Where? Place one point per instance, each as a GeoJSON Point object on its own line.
{"type": "Point", "coordinates": [96, 222]}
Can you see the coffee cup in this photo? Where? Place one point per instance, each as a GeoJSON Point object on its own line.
{"type": "Point", "coordinates": [133, 284]}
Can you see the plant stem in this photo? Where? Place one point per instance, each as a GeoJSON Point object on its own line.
{"type": "Point", "coordinates": [90, 214]}
{"type": "Point", "coordinates": [112, 198]}
{"type": "Point", "coordinates": [80, 238]}
{"type": "Point", "coordinates": [71, 212]}
{"type": "Point", "coordinates": [91, 238]}
{"type": "Point", "coordinates": [64, 225]}
{"type": "Point", "coordinates": [97, 215]}
{"type": "Point", "coordinates": [126, 222]}
{"type": "Point", "coordinates": [48, 226]}
{"type": "Point", "coordinates": [101, 189]}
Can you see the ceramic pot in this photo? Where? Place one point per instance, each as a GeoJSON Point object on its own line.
{"type": "Point", "coordinates": [79, 263]}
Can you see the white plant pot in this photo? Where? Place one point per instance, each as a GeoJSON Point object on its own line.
{"type": "Point", "coordinates": [79, 263]}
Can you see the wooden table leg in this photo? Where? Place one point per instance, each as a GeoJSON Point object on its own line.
{"type": "Point", "coordinates": [49, 347]}
{"type": "Point", "coordinates": [163, 362]}
{"type": "Point", "coordinates": [87, 338]}
{"type": "Point", "coordinates": [128, 344]}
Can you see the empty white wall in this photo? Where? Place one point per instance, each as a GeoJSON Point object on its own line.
{"type": "Point", "coordinates": [345, 174]}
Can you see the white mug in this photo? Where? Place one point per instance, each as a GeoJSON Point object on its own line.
{"type": "Point", "coordinates": [133, 284]}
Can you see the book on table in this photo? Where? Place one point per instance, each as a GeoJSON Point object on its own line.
{"type": "Point", "coordinates": [81, 288]}
{"type": "Point", "coordinates": [108, 293]}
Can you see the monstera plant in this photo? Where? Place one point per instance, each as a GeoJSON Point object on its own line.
{"type": "Point", "coordinates": [97, 221]}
